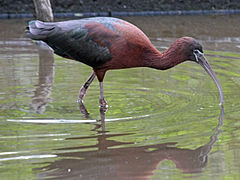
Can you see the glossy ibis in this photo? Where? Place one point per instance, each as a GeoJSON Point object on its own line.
{"type": "Point", "coordinates": [106, 43]}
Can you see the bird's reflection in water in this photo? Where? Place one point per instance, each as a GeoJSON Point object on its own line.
{"type": "Point", "coordinates": [107, 162]}
{"type": "Point", "coordinates": [46, 75]}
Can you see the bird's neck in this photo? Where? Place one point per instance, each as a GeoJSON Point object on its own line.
{"type": "Point", "coordinates": [169, 58]}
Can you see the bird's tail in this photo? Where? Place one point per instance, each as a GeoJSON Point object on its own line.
{"type": "Point", "coordinates": [39, 30]}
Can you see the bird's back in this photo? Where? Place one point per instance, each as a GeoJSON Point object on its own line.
{"type": "Point", "coordinates": [93, 41]}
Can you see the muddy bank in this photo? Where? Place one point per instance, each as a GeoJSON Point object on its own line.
{"type": "Point", "coordinates": [78, 6]}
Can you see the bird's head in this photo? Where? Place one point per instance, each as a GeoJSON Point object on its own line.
{"type": "Point", "coordinates": [190, 49]}
{"type": "Point", "coordinates": [193, 51]}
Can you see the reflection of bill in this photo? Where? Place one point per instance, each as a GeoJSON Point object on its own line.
{"type": "Point", "coordinates": [46, 74]}
{"type": "Point", "coordinates": [105, 161]}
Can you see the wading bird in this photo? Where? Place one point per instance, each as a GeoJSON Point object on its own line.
{"type": "Point", "coordinates": [107, 43]}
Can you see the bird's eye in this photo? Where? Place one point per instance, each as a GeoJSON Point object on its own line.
{"type": "Point", "coordinates": [195, 51]}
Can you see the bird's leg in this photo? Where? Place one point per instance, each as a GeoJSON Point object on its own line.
{"type": "Point", "coordinates": [83, 110]}
{"type": "Point", "coordinates": [103, 103]}
{"type": "Point", "coordinates": [83, 89]}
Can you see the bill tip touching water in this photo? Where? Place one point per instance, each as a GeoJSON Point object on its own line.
{"type": "Point", "coordinates": [106, 43]}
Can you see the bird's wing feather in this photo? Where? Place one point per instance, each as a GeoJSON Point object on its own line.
{"type": "Point", "coordinates": [82, 41]}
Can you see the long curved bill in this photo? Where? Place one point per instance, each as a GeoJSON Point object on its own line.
{"type": "Point", "coordinates": [204, 63]}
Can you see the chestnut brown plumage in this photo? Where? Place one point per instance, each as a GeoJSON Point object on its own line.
{"type": "Point", "coordinates": [107, 43]}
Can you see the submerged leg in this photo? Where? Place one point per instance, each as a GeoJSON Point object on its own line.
{"type": "Point", "coordinates": [103, 103]}
{"type": "Point", "coordinates": [83, 89]}
{"type": "Point", "coordinates": [83, 110]}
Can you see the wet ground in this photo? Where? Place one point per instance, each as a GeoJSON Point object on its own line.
{"type": "Point", "coordinates": [160, 124]}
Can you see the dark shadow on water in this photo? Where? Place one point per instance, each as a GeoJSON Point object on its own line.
{"type": "Point", "coordinates": [105, 160]}
{"type": "Point", "coordinates": [46, 75]}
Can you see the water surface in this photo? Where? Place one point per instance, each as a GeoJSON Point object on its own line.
{"type": "Point", "coordinates": [160, 124]}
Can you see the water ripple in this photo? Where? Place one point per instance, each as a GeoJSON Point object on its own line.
{"type": "Point", "coordinates": [69, 121]}
{"type": "Point", "coordinates": [29, 157]}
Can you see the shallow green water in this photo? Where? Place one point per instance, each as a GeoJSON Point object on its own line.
{"type": "Point", "coordinates": [160, 124]}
